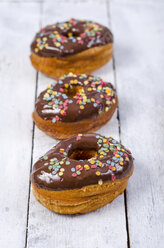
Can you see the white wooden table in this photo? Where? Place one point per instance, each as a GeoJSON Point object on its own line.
{"type": "Point", "coordinates": [136, 218]}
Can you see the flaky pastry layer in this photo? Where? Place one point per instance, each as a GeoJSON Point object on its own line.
{"type": "Point", "coordinates": [83, 62]}
{"type": "Point", "coordinates": [64, 130]}
{"type": "Point", "coordinates": [83, 200]}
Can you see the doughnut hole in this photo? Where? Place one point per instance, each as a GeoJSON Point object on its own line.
{"type": "Point", "coordinates": [82, 154]}
{"type": "Point", "coordinates": [71, 91]}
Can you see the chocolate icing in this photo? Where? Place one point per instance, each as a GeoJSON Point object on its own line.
{"type": "Point", "coordinates": [93, 97]}
{"type": "Point", "coordinates": [56, 171]}
{"type": "Point", "coordinates": [70, 37]}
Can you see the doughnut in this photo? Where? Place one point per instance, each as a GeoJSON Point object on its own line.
{"type": "Point", "coordinates": [74, 104]}
{"type": "Point", "coordinates": [75, 45]}
{"type": "Point", "coordinates": [81, 174]}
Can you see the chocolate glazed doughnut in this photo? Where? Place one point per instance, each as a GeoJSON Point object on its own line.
{"type": "Point", "coordinates": [81, 174]}
{"type": "Point", "coordinates": [74, 104]}
{"type": "Point", "coordinates": [75, 45]}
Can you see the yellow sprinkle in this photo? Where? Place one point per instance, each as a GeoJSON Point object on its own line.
{"type": "Point", "coordinates": [108, 91]}
{"type": "Point", "coordinates": [57, 44]}
{"type": "Point", "coordinates": [85, 82]}
{"type": "Point", "coordinates": [100, 164]}
{"type": "Point", "coordinates": [60, 173]}
{"type": "Point", "coordinates": [66, 85]}
{"type": "Point", "coordinates": [86, 166]}
{"type": "Point", "coordinates": [54, 92]}
{"type": "Point", "coordinates": [69, 34]}
{"type": "Point", "coordinates": [101, 156]}
{"type": "Point", "coordinates": [46, 45]}
{"type": "Point", "coordinates": [79, 134]}
{"type": "Point", "coordinates": [117, 156]}
{"type": "Point", "coordinates": [38, 39]}
{"type": "Point", "coordinates": [106, 109]}
{"type": "Point", "coordinates": [98, 173]}
{"type": "Point", "coordinates": [36, 50]}
{"type": "Point", "coordinates": [107, 102]}
{"type": "Point", "coordinates": [62, 169]}
{"type": "Point", "coordinates": [92, 161]}
{"type": "Point", "coordinates": [92, 99]}
{"type": "Point", "coordinates": [46, 95]}
{"type": "Point", "coordinates": [121, 163]}
{"type": "Point", "coordinates": [81, 107]}
{"type": "Point", "coordinates": [114, 101]}
{"type": "Point", "coordinates": [44, 38]}
{"type": "Point", "coordinates": [90, 78]}
{"type": "Point", "coordinates": [105, 140]}
{"type": "Point", "coordinates": [61, 111]}
{"type": "Point", "coordinates": [127, 159]}
{"type": "Point", "coordinates": [101, 96]}
{"type": "Point", "coordinates": [113, 169]}
{"type": "Point", "coordinates": [61, 162]}
{"type": "Point", "coordinates": [89, 89]}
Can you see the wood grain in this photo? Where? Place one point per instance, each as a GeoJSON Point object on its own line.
{"type": "Point", "coordinates": [139, 38]}
{"type": "Point", "coordinates": [17, 89]}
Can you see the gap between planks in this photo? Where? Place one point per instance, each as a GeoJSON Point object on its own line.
{"type": "Point", "coordinates": [119, 125]}
{"type": "Point", "coordinates": [32, 149]}
{"type": "Point", "coordinates": [33, 135]}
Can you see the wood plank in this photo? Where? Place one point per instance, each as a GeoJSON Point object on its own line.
{"type": "Point", "coordinates": [18, 22]}
{"type": "Point", "coordinates": [139, 39]}
{"type": "Point", "coordinates": [102, 227]}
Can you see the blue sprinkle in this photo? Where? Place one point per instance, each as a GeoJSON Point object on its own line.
{"type": "Point", "coordinates": [70, 101]}
{"type": "Point", "coordinates": [73, 169]}
{"type": "Point", "coordinates": [108, 161]}
{"type": "Point", "coordinates": [54, 172]}
{"type": "Point", "coordinates": [97, 136]}
{"type": "Point", "coordinates": [64, 96]}
{"type": "Point", "coordinates": [60, 82]}
{"type": "Point", "coordinates": [54, 120]}
{"type": "Point", "coordinates": [95, 104]}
